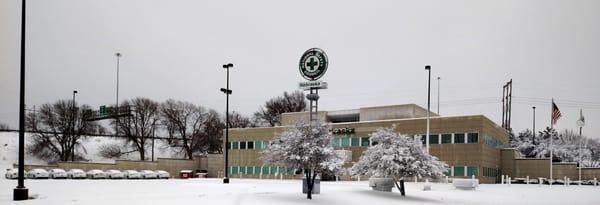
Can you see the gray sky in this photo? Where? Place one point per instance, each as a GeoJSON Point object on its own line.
{"type": "Point", "coordinates": [377, 52]}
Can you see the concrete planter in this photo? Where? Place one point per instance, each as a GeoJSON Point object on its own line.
{"type": "Point", "coordinates": [381, 184]}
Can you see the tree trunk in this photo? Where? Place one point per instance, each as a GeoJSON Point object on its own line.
{"type": "Point", "coordinates": [309, 184]}
{"type": "Point", "coordinates": [401, 187]}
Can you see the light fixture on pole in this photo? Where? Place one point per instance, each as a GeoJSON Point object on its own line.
{"type": "Point", "coordinates": [227, 92]}
{"type": "Point", "coordinates": [428, 68]}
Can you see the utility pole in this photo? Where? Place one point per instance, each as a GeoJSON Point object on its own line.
{"type": "Point", "coordinates": [116, 111]}
{"type": "Point", "coordinates": [438, 96]}
{"type": "Point", "coordinates": [533, 138]}
{"type": "Point", "coordinates": [21, 192]}
{"type": "Point", "coordinates": [73, 128]}
{"type": "Point", "coordinates": [227, 92]}
{"type": "Point", "coordinates": [428, 68]}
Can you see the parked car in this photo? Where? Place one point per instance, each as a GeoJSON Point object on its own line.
{"type": "Point", "coordinates": [132, 174]}
{"type": "Point", "coordinates": [37, 174]}
{"type": "Point", "coordinates": [148, 174]}
{"type": "Point", "coordinates": [58, 174]}
{"type": "Point", "coordinates": [114, 174]}
{"type": "Point", "coordinates": [96, 174]}
{"type": "Point", "coordinates": [163, 174]}
{"type": "Point", "coordinates": [76, 174]}
{"type": "Point", "coordinates": [13, 173]}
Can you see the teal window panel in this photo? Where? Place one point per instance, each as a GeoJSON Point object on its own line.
{"type": "Point", "coordinates": [472, 137]}
{"type": "Point", "coordinates": [335, 142]}
{"type": "Point", "coordinates": [274, 170]}
{"type": "Point", "coordinates": [446, 138]}
{"type": "Point", "coordinates": [265, 170]}
{"type": "Point", "coordinates": [235, 145]}
{"type": "Point", "coordinates": [249, 170]}
{"type": "Point", "coordinates": [228, 145]}
{"type": "Point", "coordinates": [365, 141]}
{"type": "Point", "coordinates": [434, 139]}
{"type": "Point", "coordinates": [242, 170]}
{"type": "Point", "coordinates": [472, 171]}
{"type": "Point", "coordinates": [243, 145]}
{"type": "Point", "coordinates": [266, 144]}
{"type": "Point", "coordinates": [234, 170]}
{"type": "Point", "coordinates": [257, 170]}
{"type": "Point", "coordinates": [355, 142]}
{"type": "Point", "coordinates": [259, 144]}
{"type": "Point", "coordinates": [345, 142]}
{"type": "Point", "coordinates": [459, 138]}
{"type": "Point", "coordinates": [250, 145]}
{"type": "Point", "coordinates": [459, 171]}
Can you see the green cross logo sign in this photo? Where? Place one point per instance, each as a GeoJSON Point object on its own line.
{"type": "Point", "coordinates": [313, 64]}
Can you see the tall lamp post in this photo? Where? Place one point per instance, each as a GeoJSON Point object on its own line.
{"type": "Point", "coordinates": [21, 192]}
{"type": "Point", "coordinates": [428, 68]}
{"type": "Point", "coordinates": [227, 92]}
{"type": "Point", "coordinates": [533, 138]}
{"type": "Point", "coordinates": [73, 128]}
{"type": "Point", "coordinates": [116, 112]}
{"type": "Point", "coordinates": [580, 124]}
{"type": "Point", "coordinates": [438, 96]}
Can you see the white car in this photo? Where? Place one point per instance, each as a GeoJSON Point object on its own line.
{"type": "Point", "coordinates": [163, 174]}
{"type": "Point", "coordinates": [76, 174]}
{"type": "Point", "coordinates": [148, 174]}
{"type": "Point", "coordinates": [132, 174]}
{"type": "Point", "coordinates": [37, 174]}
{"type": "Point", "coordinates": [114, 174]}
{"type": "Point", "coordinates": [13, 173]}
{"type": "Point", "coordinates": [96, 174]}
{"type": "Point", "coordinates": [58, 174]}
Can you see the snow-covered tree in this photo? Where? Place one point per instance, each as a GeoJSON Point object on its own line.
{"type": "Point", "coordinates": [397, 156]}
{"type": "Point", "coordinates": [305, 147]}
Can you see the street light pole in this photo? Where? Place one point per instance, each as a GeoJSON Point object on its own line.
{"type": "Point", "coordinates": [533, 125]}
{"type": "Point", "coordinates": [227, 92]}
{"type": "Point", "coordinates": [428, 68]}
{"type": "Point", "coordinates": [116, 111]}
{"type": "Point", "coordinates": [21, 192]}
{"type": "Point", "coordinates": [73, 128]}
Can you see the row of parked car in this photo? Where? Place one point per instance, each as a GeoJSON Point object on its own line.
{"type": "Point", "coordinates": [91, 174]}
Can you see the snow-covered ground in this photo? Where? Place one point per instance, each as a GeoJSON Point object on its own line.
{"type": "Point", "coordinates": [267, 192]}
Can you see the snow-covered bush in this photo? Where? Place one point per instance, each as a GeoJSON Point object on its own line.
{"type": "Point", "coordinates": [398, 157]}
{"type": "Point", "coordinates": [304, 147]}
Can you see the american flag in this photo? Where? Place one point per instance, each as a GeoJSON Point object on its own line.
{"type": "Point", "coordinates": [555, 113]}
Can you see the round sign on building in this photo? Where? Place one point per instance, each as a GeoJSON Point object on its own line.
{"type": "Point", "coordinates": [313, 64]}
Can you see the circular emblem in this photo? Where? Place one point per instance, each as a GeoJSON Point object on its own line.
{"type": "Point", "coordinates": [313, 64]}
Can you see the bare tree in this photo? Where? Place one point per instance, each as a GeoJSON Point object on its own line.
{"type": "Point", "coordinates": [237, 120]}
{"type": "Point", "coordinates": [270, 113]}
{"type": "Point", "coordinates": [212, 133]}
{"type": "Point", "coordinates": [4, 126]}
{"type": "Point", "coordinates": [184, 123]}
{"type": "Point", "coordinates": [139, 127]}
{"type": "Point", "coordinates": [58, 129]}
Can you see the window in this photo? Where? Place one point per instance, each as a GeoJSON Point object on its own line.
{"type": "Point", "coordinates": [250, 144]}
{"type": "Point", "coordinates": [257, 170]}
{"type": "Point", "coordinates": [228, 145]}
{"type": "Point", "coordinates": [258, 144]}
{"type": "Point", "coordinates": [472, 137]}
{"type": "Point", "coordinates": [434, 139]}
{"type": "Point", "coordinates": [233, 170]}
{"type": "Point", "coordinates": [266, 144]}
{"type": "Point", "coordinates": [249, 170]}
{"type": "Point", "coordinates": [265, 170]}
{"type": "Point", "coordinates": [472, 171]}
{"type": "Point", "coordinates": [335, 142]}
{"type": "Point", "coordinates": [446, 138]}
{"type": "Point", "coordinates": [459, 138]}
{"type": "Point", "coordinates": [364, 141]}
{"type": "Point", "coordinates": [274, 170]}
{"type": "Point", "coordinates": [345, 142]}
{"type": "Point", "coordinates": [242, 145]}
{"type": "Point", "coordinates": [355, 141]}
{"type": "Point", "coordinates": [447, 172]}
{"type": "Point", "coordinates": [459, 171]}
{"type": "Point", "coordinates": [242, 170]}
{"type": "Point", "coordinates": [235, 145]}
{"type": "Point", "coordinates": [423, 139]}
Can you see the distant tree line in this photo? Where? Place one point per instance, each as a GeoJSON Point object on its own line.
{"type": "Point", "coordinates": [567, 146]}
{"type": "Point", "coordinates": [59, 128]}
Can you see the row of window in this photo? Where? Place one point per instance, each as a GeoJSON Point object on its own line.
{"type": "Point", "coordinates": [452, 138]}
{"type": "Point", "coordinates": [260, 170]}
{"type": "Point", "coordinates": [462, 171]}
{"type": "Point", "coordinates": [492, 141]}
{"type": "Point", "coordinates": [257, 144]}
{"type": "Point", "coordinates": [490, 172]}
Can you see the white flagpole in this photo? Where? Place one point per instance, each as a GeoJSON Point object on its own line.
{"type": "Point", "coordinates": [551, 136]}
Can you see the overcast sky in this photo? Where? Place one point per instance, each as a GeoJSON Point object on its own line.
{"type": "Point", "coordinates": [377, 52]}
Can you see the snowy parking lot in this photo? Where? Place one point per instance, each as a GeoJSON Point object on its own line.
{"type": "Point", "coordinates": [265, 192]}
